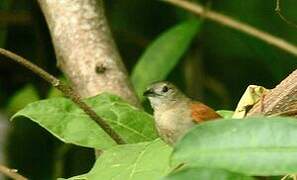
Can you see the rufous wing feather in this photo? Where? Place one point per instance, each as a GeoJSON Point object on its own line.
{"type": "Point", "coordinates": [200, 112]}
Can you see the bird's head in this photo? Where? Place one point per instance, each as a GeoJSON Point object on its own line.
{"type": "Point", "coordinates": [163, 93]}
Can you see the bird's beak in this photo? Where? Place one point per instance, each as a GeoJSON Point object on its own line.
{"type": "Point", "coordinates": [149, 93]}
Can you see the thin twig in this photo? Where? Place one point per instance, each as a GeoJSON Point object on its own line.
{"type": "Point", "coordinates": [278, 11]}
{"type": "Point", "coordinates": [67, 91]}
{"type": "Point", "coordinates": [11, 173]}
{"type": "Point", "coordinates": [230, 22]}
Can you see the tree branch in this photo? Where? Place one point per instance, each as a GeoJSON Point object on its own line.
{"type": "Point", "coordinates": [282, 100]}
{"type": "Point", "coordinates": [230, 22]}
{"type": "Point", "coordinates": [66, 90]}
{"type": "Point", "coordinates": [85, 49]}
{"type": "Point", "coordinates": [11, 173]}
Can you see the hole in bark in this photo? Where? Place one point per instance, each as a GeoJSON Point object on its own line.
{"type": "Point", "coordinates": [100, 69]}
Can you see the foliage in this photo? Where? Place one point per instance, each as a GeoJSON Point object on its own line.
{"type": "Point", "coordinates": [23, 97]}
{"type": "Point", "coordinates": [222, 149]}
{"type": "Point", "coordinates": [206, 173]}
{"type": "Point", "coordinates": [228, 62]}
{"type": "Point", "coordinates": [253, 146]}
{"type": "Point", "coordinates": [211, 145]}
{"type": "Point", "coordinates": [162, 55]}
{"type": "Point", "coordinates": [69, 123]}
{"type": "Point", "coordinates": [132, 161]}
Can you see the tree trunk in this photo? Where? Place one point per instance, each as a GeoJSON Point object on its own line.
{"type": "Point", "coordinates": [85, 48]}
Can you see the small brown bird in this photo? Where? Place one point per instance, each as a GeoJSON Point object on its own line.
{"type": "Point", "coordinates": [174, 112]}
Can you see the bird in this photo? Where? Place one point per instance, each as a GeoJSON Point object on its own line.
{"type": "Point", "coordinates": [175, 113]}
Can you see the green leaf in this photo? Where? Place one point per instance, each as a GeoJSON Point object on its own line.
{"type": "Point", "coordinates": [225, 113]}
{"type": "Point", "coordinates": [206, 174]}
{"type": "Point", "coordinates": [66, 121]}
{"type": "Point", "coordinates": [53, 92]}
{"type": "Point", "coordinates": [163, 54]}
{"type": "Point", "coordinates": [145, 161]}
{"type": "Point", "coordinates": [19, 100]}
{"type": "Point", "coordinates": [253, 146]}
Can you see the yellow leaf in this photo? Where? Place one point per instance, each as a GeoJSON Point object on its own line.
{"type": "Point", "coordinates": [251, 96]}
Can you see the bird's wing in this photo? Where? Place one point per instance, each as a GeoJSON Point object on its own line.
{"type": "Point", "coordinates": [201, 112]}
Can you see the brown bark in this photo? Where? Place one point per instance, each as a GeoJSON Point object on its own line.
{"type": "Point", "coordinates": [85, 49]}
{"type": "Point", "coordinates": [282, 100]}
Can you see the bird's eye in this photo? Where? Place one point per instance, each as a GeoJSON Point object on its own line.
{"type": "Point", "coordinates": [165, 89]}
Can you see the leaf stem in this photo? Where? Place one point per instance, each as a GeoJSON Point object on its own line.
{"type": "Point", "coordinates": [278, 11]}
{"type": "Point", "coordinates": [11, 173]}
{"type": "Point", "coordinates": [66, 90]}
{"type": "Point", "coordinates": [235, 24]}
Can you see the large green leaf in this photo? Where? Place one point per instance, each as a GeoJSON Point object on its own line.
{"type": "Point", "coordinates": [145, 161]}
{"type": "Point", "coordinates": [163, 54]}
{"type": "Point", "coordinates": [206, 174]}
{"type": "Point", "coordinates": [66, 121]}
{"type": "Point", "coordinates": [254, 146]}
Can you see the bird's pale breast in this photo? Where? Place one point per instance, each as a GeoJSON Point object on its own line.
{"type": "Point", "coordinates": [174, 122]}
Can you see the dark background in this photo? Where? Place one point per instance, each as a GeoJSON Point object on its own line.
{"type": "Point", "coordinates": [216, 69]}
